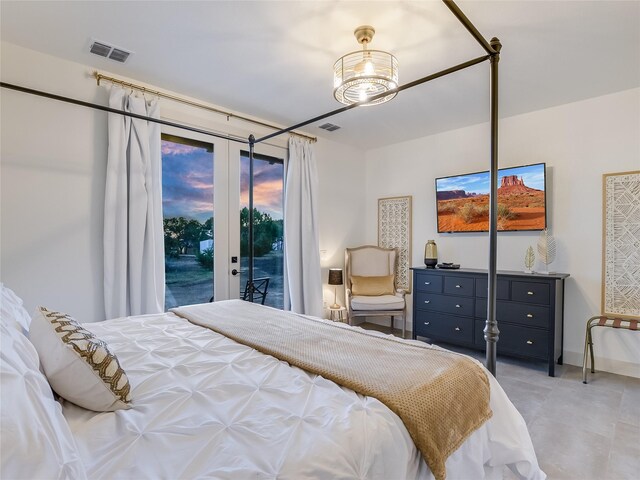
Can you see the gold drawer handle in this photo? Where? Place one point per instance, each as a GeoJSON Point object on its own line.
{"type": "Point", "coordinates": [458, 286]}
{"type": "Point", "coordinates": [427, 301]}
{"type": "Point", "coordinates": [427, 323]}
{"type": "Point", "coordinates": [529, 315]}
{"type": "Point", "coordinates": [457, 306]}
{"type": "Point", "coordinates": [457, 329]}
{"type": "Point", "coordinates": [529, 342]}
{"type": "Point", "coordinates": [529, 293]}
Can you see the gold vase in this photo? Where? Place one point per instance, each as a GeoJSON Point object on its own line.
{"type": "Point", "coordinates": [431, 254]}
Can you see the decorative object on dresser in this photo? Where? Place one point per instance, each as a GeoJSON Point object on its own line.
{"type": "Point", "coordinates": [431, 254]}
{"type": "Point", "coordinates": [394, 231]}
{"type": "Point", "coordinates": [335, 279]}
{"type": "Point", "coordinates": [449, 266]}
{"type": "Point", "coordinates": [451, 306]}
{"type": "Point", "coordinates": [546, 249]}
{"type": "Point", "coordinates": [371, 285]}
{"type": "Point", "coordinates": [620, 240]}
{"type": "Point", "coordinates": [529, 260]}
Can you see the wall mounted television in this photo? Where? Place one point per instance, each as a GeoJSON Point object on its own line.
{"type": "Point", "coordinates": [462, 201]}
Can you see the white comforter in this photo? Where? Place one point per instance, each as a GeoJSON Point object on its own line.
{"type": "Point", "coordinates": [205, 406]}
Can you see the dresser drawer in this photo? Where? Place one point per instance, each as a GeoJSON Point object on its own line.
{"type": "Point", "coordinates": [530, 292]}
{"type": "Point", "coordinates": [459, 286]}
{"type": "Point", "coordinates": [428, 283]}
{"type": "Point", "coordinates": [444, 303]}
{"type": "Point", "coordinates": [516, 339]}
{"type": "Point", "coordinates": [524, 314]}
{"type": "Point", "coordinates": [502, 292]}
{"type": "Point", "coordinates": [444, 327]}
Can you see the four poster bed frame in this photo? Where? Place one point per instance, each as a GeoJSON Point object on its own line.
{"type": "Point", "coordinates": [492, 49]}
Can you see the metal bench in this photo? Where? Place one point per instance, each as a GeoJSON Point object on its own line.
{"type": "Point", "coordinates": [602, 321]}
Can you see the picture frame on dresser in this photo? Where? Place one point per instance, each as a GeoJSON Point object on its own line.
{"type": "Point", "coordinates": [451, 306]}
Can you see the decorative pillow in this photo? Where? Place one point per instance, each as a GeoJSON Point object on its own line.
{"type": "Point", "coordinates": [79, 366]}
{"type": "Point", "coordinates": [36, 441]}
{"type": "Point", "coordinates": [12, 312]}
{"type": "Point", "coordinates": [372, 286]}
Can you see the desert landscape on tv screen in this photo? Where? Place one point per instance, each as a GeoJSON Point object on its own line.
{"type": "Point", "coordinates": [463, 201]}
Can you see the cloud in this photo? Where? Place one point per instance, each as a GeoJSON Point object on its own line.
{"type": "Point", "coordinates": [187, 181]}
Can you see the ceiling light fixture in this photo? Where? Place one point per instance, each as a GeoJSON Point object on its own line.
{"type": "Point", "coordinates": [357, 76]}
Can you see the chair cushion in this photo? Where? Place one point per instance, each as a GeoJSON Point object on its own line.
{"type": "Point", "coordinates": [370, 285]}
{"type": "Point", "coordinates": [381, 302]}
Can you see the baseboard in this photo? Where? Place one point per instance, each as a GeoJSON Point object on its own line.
{"type": "Point", "coordinates": [604, 364]}
{"type": "Point", "coordinates": [384, 321]}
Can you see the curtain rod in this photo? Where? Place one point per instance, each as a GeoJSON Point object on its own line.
{"type": "Point", "coordinates": [104, 108]}
{"type": "Point", "coordinates": [99, 77]}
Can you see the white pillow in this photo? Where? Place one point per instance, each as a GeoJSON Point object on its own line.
{"type": "Point", "coordinates": [36, 441]}
{"type": "Point", "coordinates": [12, 312]}
{"type": "Point", "coordinates": [79, 366]}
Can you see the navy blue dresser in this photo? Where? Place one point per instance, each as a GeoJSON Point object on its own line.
{"type": "Point", "coordinates": [451, 306]}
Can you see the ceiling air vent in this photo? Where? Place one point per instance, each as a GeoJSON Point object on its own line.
{"type": "Point", "coordinates": [105, 50]}
{"type": "Point", "coordinates": [100, 49]}
{"type": "Point", "coordinates": [119, 55]}
{"type": "Point", "coordinates": [329, 127]}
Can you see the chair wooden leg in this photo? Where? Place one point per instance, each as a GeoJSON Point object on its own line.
{"type": "Point", "coordinates": [392, 324]}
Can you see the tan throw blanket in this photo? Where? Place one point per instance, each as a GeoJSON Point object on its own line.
{"type": "Point", "coordinates": [442, 397]}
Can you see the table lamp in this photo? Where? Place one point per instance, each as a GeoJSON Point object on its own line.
{"type": "Point", "coordinates": [335, 278]}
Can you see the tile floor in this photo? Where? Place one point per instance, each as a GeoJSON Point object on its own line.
{"type": "Point", "coordinates": [579, 431]}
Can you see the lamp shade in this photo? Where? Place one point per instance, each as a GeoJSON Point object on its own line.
{"type": "Point", "coordinates": [335, 276]}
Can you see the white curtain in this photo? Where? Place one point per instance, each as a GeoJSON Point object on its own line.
{"type": "Point", "coordinates": [302, 279]}
{"type": "Point", "coordinates": [133, 230]}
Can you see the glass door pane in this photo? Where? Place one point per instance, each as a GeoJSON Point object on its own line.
{"type": "Point", "coordinates": [268, 189]}
{"type": "Point", "coordinates": [187, 207]}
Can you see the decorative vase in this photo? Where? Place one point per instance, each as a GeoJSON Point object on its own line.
{"type": "Point", "coordinates": [431, 254]}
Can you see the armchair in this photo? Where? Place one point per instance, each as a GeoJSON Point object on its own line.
{"type": "Point", "coordinates": [370, 284]}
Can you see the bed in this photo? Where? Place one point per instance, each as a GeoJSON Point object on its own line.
{"type": "Point", "coordinates": [206, 406]}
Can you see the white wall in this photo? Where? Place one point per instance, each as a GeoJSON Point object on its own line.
{"type": "Point", "coordinates": [579, 142]}
{"type": "Point", "coordinates": [53, 163]}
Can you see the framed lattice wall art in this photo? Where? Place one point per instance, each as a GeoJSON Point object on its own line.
{"type": "Point", "coordinates": [621, 244]}
{"type": "Point", "coordinates": [394, 230]}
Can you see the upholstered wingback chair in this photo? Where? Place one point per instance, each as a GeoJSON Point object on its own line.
{"type": "Point", "coordinates": [370, 284]}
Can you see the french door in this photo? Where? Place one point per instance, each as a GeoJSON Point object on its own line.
{"type": "Point", "coordinates": [205, 208]}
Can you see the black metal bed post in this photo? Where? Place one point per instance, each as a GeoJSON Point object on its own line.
{"type": "Point", "coordinates": [491, 331]}
{"type": "Point", "coordinates": [252, 141]}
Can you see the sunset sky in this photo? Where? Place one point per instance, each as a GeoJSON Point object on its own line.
{"type": "Point", "coordinates": [187, 183]}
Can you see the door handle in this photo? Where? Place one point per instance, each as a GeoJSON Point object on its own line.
{"type": "Point", "coordinates": [234, 272]}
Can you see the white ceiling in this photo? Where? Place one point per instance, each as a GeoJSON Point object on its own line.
{"type": "Point", "coordinates": [273, 59]}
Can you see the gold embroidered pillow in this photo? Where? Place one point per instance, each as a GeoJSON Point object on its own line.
{"type": "Point", "coordinates": [80, 367]}
{"type": "Point", "coordinates": [372, 286]}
